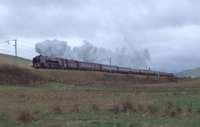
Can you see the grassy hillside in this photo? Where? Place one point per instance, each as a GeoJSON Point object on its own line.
{"type": "Point", "coordinates": [12, 60]}
{"type": "Point", "coordinates": [190, 73]}
{"type": "Point", "coordinates": [22, 70]}
{"type": "Point", "coordinates": [92, 99]}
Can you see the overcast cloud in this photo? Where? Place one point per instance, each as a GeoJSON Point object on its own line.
{"type": "Point", "coordinates": [168, 28]}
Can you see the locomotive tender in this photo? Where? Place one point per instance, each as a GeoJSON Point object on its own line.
{"type": "Point", "coordinates": [60, 63]}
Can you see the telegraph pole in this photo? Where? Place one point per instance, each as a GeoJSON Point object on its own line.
{"type": "Point", "coordinates": [15, 47]}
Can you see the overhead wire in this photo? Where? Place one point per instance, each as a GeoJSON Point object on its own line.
{"type": "Point", "coordinates": [5, 47]}
{"type": "Point", "coordinates": [24, 49]}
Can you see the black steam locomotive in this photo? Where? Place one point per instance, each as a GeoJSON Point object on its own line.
{"type": "Point", "coordinates": [59, 63]}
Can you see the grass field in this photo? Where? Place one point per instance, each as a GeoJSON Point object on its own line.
{"type": "Point", "coordinates": [60, 105]}
{"type": "Point", "coordinates": [20, 71]}
{"type": "Point", "coordinates": [55, 98]}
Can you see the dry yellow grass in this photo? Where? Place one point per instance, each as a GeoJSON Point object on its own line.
{"type": "Point", "coordinates": [11, 74]}
{"type": "Point", "coordinates": [13, 100]}
{"type": "Point", "coordinates": [69, 76]}
{"type": "Point", "coordinates": [17, 61]}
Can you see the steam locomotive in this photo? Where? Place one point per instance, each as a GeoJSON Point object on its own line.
{"type": "Point", "coordinates": [60, 63]}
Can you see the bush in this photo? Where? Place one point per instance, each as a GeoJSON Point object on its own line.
{"type": "Point", "coordinates": [179, 110]}
{"type": "Point", "coordinates": [128, 107]}
{"type": "Point", "coordinates": [76, 108]}
{"type": "Point", "coordinates": [198, 110]}
{"type": "Point", "coordinates": [140, 108]}
{"type": "Point", "coordinates": [25, 116]}
{"type": "Point", "coordinates": [115, 109]}
{"type": "Point", "coordinates": [57, 109]}
{"type": "Point", "coordinates": [189, 110]}
{"type": "Point", "coordinates": [172, 114]}
{"type": "Point", "coordinates": [123, 107]}
{"type": "Point", "coordinates": [94, 107]}
{"type": "Point", "coordinates": [167, 108]}
{"type": "Point", "coordinates": [151, 109]}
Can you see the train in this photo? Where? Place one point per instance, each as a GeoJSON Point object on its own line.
{"type": "Point", "coordinates": [48, 62]}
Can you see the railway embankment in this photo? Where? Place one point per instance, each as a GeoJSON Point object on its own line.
{"type": "Point", "coordinates": [18, 71]}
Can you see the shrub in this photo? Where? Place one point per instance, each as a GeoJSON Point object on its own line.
{"type": "Point", "coordinates": [123, 107]}
{"type": "Point", "coordinates": [152, 109]}
{"type": "Point", "coordinates": [57, 109]}
{"type": "Point", "coordinates": [115, 109]}
{"type": "Point", "coordinates": [198, 110]}
{"type": "Point", "coordinates": [167, 108]}
{"type": "Point", "coordinates": [76, 108]}
{"type": "Point", "coordinates": [128, 107]}
{"type": "Point", "coordinates": [94, 107]}
{"type": "Point", "coordinates": [172, 114]}
{"type": "Point", "coordinates": [179, 110]}
{"type": "Point", "coordinates": [189, 110]}
{"type": "Point", "coordinates": [25, 116]}
{"type": "Point", "coordinates": [140, 108]}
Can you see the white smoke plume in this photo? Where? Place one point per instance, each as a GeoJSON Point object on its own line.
{"type": "Point", "coordinates": [90, 53]}
{"type": "Point", "coordinates": [53, 48]}
{"type": "Point", "coordinates": [87, 52]}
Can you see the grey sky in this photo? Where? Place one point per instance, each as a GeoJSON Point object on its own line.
{"type": "Point", "coordinates": [168, 28]}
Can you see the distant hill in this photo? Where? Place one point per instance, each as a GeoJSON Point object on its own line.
{"type": "Point", "coordinates": [195, 73]}
{"type": "Point", "coordinates": [12, 60]}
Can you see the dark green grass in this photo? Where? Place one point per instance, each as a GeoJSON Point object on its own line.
{"type": "Point", "coordinates": [104, 119]}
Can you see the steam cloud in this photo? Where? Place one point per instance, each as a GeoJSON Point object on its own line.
{"type": "Point", "coordinates": [90, 53]}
